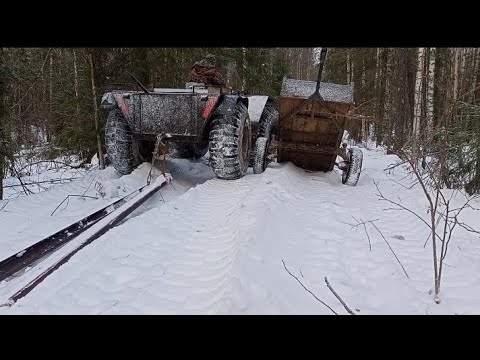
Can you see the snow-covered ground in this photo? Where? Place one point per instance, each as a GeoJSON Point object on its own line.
{"type": "Point", "coordinates": [207, 246]}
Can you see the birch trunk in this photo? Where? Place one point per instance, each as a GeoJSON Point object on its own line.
{"type": "Point", "coordinates": [417, 115]}
{"type": "Point", "coordinates": [430, 87]}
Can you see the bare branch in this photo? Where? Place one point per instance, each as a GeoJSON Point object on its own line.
{"type": "Point", "coordinates": [338, 297]}
{"type": "Point", "coordinates": [393, 166]}
{"type": "Point", "coordinates": [89, 186]}
{"type": "Point", "coordinates": [444, 255]}
{"type": "Point", "coordinates": [420, 180]}
{"type": "Point", "coordinates": [41, 182]}
{"type": "Point", "coordinates": [393, 252]}
{"type": "Point", "coordinates": [363, 223]}
{"type": "Point", "coordinates": [449, 265]}
{"type": "Point", "coordinates": [285, 266]}
{"type": "Point", "coordinates": [368, 236]}
{"type": "Point", "coordinates": [17, 175]}
{"type": "Point", "coordinates": [53, 162]}
{"type": "Point", "coordinates": [426, 241]}
{"type": "Point", "coordinates": [404, 186]}
{"type": "Point", "coordinates": [442, 249]}
{"type": "Point", "coordinates": [399, 205]}
{"type": "Point", "coordinates": [67, 199]}
{"type": "Point", "coordinates": [437, 222]}
{"type": "Point", "coordinates": [468, 228]}
{"type": "Point", "coordinates": [4, 205]}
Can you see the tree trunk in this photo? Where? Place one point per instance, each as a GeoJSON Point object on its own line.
{"type": "Point", "coordinates": [418, 103]}
{"type": "Point", "coordinates": [349, 68]}
{"type": "Point", "coordinates": [400, 97]}
{"type": "Point", "coordinates": [456, 78]}
{"type": "Point", "coordinates": [381, 86]}
{"type": "Point", "coordinates": [75, 84]}
{"type": "Point", "coordinates": [244, 69]}
{"type": "Point", "coordinates": [49, 127]}
{"type": "Point", "coordinates": [2, 122]}
{"type": "Point", "coordinates": [476, 87]}
{"type": "Point", "coordinates": [95, 111]}
{"type": "Point", "coordinates": [430, 87]}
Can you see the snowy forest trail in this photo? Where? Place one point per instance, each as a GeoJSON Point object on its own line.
{"type": "Point", "coordinates": [218, 247]}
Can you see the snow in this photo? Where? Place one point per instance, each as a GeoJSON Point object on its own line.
{"type": "Point", "coordinates": [209, 246]}
{"type": "Point", "coordinates": [328, 91]}
{"type": "Point", "coordinates": [256, 104]}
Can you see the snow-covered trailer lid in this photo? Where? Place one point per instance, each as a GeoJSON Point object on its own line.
{"type": "Point", "coordinates": [328, 91]}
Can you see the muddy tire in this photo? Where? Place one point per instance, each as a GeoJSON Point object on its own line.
{"type": "Point", "coordinates": [260, 153]}
{"type": "Point", "coordinates": [120, 143]}
{"type": "Point", "coordinates": [230, 138]}
{"type": "Point", "coordinates": [267, 126]}
{"type": "Point", "coordinates": [268, 123]}
{"type": "Point", "coordinates": [352, 174]}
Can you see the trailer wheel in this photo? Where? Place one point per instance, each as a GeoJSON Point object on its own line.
{"type": "Point", "coordinates": [230, 138]}
{"type": "Point", "coordinates": [268, 123]}
{"type": "Point", "coordinates": [119, 142]}
{"type": "Point", "coordinates": [260, 153]}
{"type": "Point", "coordinates": [352, 174]}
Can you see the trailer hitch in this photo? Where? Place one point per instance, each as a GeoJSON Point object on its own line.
{"type": "Point", "coordinates": [160, 151]}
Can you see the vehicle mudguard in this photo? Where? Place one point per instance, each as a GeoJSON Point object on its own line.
{"type": "Point", "coordinates": [228, 102]}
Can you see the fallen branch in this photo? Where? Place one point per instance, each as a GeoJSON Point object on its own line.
{"type": "Point", "coordinates": [4, 205]}
{"type": "Point", "coordinates": [354, 226]}
{"type": "Point", "coordinates": [89, 186]}
{"type": "Point", "coordinates": [41, 182]}
{"type": "Point", "coordinates": [17, 175]}
{"type": "Point", "coordinates": [285, 266]}
{"type": "Point", "coordinates": [393, 252]}
{"type": "Point", "coordinates": [368, 236]}
{"type": "Point", "coordinates": [67, 199]}
{"type": "Point", "coordinates": [393, 166]}
{"type": "Point", "coordinates": [54, 162]}
{"type": "Point", "coordinates": [338, 297]}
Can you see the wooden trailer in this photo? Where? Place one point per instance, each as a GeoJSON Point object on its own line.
{"type": "Point", "coordinates": [312, 119]}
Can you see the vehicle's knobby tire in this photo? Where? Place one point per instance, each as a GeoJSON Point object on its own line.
{"type": "Point", "coordinates": [230, 138]}
{"type": "Point", "coordinates": [267, 126]}
{"type": "Point", "coordinates": [268, 123]}
{"type": "Point", "coordinates": [260, 153]}
{"type": "Point", "coordinates": [352, 174]}
{"type": "Point", "coordinates": [119, 142]}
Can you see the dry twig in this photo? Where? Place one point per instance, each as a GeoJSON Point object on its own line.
{"type": "Point", "coordinates": [285, 266]}
{"type": "Point", "coordinates": [338, 297]}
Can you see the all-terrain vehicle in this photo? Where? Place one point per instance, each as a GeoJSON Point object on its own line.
{"type": "Point", "coordinates": [192, 121]}
{"type": "Point", "coordinates": [308, 132]}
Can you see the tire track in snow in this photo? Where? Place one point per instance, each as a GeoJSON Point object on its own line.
{"type": "Point", "coordinates": [218, 249]}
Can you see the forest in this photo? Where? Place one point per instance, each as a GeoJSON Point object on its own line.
{"type": "Point", "coordinates": [424, 102]}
